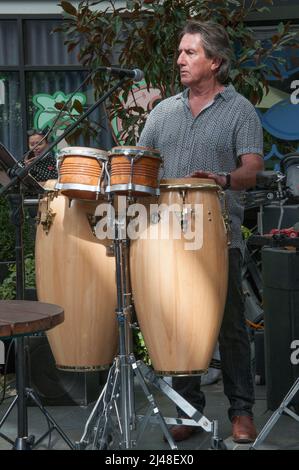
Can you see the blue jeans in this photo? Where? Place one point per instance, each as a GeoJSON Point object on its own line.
{"type": "Point", "coordinates": [234, 348]}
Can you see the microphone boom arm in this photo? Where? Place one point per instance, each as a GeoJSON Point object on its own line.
{"type": "Point", "coordinates": [20, 172]}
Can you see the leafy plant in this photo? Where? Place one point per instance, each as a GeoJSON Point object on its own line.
{"type": "Point", "coordinates": [140, 349]}
{"type": "Point", "coordinates": [7, 234]}
{"type": "Point", "coordinates": [8, 286]}
{"type": "Point", "coordinates": [144, 33]}
{"type": "Point", "coordinates": [246, 232]}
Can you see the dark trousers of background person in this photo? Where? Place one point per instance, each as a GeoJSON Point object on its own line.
{"type": "Point", "coordinates": [235, 352]}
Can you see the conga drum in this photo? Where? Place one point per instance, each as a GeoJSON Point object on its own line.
{"type": "Point", "coordinates": [81, 172]}
{"type": "Point", "coordinates": [134, 170]}
{"type": "Point", "coordinates": [74, 271]}
{"type": "Point", "coordinates": [179, 286]}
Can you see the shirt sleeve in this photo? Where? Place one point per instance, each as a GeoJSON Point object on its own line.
{"type": "Point", "coordinates": [148, 134]}
{"type": "Point", "coordinates": [249, 136]}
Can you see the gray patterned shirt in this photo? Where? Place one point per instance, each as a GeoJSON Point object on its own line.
{"type": "Point", "coordinates": [212, 141]}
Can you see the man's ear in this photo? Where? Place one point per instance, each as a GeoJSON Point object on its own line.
{"type": "Point", "coordinates": [216, 62]}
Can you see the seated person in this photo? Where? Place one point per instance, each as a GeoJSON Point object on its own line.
{"type": "Point", "coordinates": [45, 169]}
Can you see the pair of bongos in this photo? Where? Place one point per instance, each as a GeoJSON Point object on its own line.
{"type": "Point", "coordinates": [178, 283]}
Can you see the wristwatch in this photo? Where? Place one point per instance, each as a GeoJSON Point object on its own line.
{"type": "Point", "coordinates": [227, 176]}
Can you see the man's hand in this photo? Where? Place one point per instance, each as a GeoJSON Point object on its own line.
{"type": "Point", "coordinates": [243, 177]}
{"type": "Point", "coordinates": [219, 179]}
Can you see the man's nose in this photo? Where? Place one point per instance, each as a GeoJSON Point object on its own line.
{"type": "Point", "coordinates": [181, 59]}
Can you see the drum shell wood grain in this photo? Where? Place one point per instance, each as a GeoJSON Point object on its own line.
{"type": "Point", "coordinates": [81, 166]}
{"type": "Point", "coordinates": [145, 167]}
{"type": "Point", "coordinates": [179, 295]}
{"type": "Point", "coordinates": [73, 270]}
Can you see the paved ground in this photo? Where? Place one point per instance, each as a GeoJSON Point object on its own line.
{"type": "Point", "coordinates": [72, 419]}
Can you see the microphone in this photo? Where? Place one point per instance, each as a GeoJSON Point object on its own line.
{"type": "Point", "coordinates": [135, 74]}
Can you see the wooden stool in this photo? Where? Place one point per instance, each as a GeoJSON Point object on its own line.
{"type": "Point", "coordinates": [19, 318]}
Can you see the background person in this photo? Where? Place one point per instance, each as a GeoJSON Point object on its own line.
{"type": "Point", "coordinates": [38, 143]}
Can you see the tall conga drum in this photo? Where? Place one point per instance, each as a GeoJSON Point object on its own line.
{"type": "Point", "coordinates": [179, 285]}
{"type": "Point", "coordinates": [74, 271]}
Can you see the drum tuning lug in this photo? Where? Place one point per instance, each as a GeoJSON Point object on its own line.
{"type": "Point", "coordinates": [155, 217]}
{"type": "Point", "coordinates": [46, 220]}
{"type": "Point", "coordinates": [110, 250]}
{"type": "Point", "coordinates": [186, 215]}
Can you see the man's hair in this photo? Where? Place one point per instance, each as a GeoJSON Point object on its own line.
{"type": "Point", "coordinates": [215, 43]}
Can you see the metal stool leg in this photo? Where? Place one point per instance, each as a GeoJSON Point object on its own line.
{"type": "Point", "coordinates": [23, 441]}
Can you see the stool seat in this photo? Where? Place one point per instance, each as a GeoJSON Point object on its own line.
{"type": "Point", "coordinates": [24, 317]}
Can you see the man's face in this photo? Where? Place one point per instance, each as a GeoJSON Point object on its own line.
{"type": "Point", "coordinates": [195, 67]}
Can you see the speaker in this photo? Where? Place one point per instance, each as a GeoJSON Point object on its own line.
{"type": "Point", "coordinates": [56, 387]}
{"type": "Point", "coordinates": [280, 269]}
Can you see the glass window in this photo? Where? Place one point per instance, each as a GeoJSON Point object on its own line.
{"type": "Point", "coordinates": [9, 51]}
{"type": "Point", "coordinates": [10, 113]}
{"type": "Point", "coordinates": [44, 47]}
{"type": "Point", "coordinates": [44, 89]}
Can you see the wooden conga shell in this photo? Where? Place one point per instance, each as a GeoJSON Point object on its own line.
{"type": "Point", "coordinates": [180, 294]}
{"type": "Point", "coordinates": [73, 271]}
{"type": "Point", "coordinates": [81, 172]}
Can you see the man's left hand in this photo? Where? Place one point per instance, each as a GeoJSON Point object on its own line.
{"type": "Point", "coordinates": [219, 179]}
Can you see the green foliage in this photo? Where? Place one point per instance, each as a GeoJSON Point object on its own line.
{"type": "Point", "coordinates": [144, 33]}
{"type": "Point", "coordinates": [140, 349]}
{"type": "Point", "coordinates": [8, 286]}
{"type": "Point", "coordinates": [7, 234]}
{"type": "Point", "coordinates": [246, 232]}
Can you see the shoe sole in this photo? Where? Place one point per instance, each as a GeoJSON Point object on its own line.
{"type": "Point", "coordinates": [243, 440]}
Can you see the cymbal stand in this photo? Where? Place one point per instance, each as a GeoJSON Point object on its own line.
{"type": "Point", "coordinates": [113, 418]}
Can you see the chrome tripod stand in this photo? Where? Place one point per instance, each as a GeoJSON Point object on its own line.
{"type": "Point", "coordinates": [283, 408]}
{"type": "Point", "coordinates": [113, 419]}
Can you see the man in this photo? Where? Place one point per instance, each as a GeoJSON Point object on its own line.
{"type": "Point", "coordinates": [211, 131]}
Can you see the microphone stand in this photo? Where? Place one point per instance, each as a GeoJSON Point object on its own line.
{"type": "Point", "coordinates": [18, 175]}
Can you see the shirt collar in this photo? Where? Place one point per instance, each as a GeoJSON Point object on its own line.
{"type": "Point", "coordinates": [228, 92]}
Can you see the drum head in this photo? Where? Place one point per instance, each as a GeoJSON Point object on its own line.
{"type": "Point", "coordinates": [133, 151]}
{"type": "Point", "coordinates": [187, 183]}
{"type": "Point", "coordinates": [82, 152]}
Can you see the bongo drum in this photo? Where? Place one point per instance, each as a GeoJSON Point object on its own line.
{"type": "Point", "coordinates": [134, 170]}
{"type": "Point", "coordinates": [81, 172]}
{"type": "Point", "coordinates": [179, 287]}
{"type": "Point", "coordinates": [73, 271]}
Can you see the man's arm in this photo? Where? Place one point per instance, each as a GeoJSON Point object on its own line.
{"type": "Point", "coordinates": [241, 178]}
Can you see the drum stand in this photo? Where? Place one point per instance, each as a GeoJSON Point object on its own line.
{"type": "Point", "coordinates": [113, 418]}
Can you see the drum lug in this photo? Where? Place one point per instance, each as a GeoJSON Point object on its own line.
{"type": "Point", "coordinates": [110, 250]}
{"type": "Point", "coordinates": [155, 218]}
{"type": "Point", "coordinates": [225, 216]}
{"type": "Point", "coordinates": [45, 214]}
{"type": "Point", "coordinates": [46, 220]}
{"type": "Point", "coordinates": [186, 215]}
